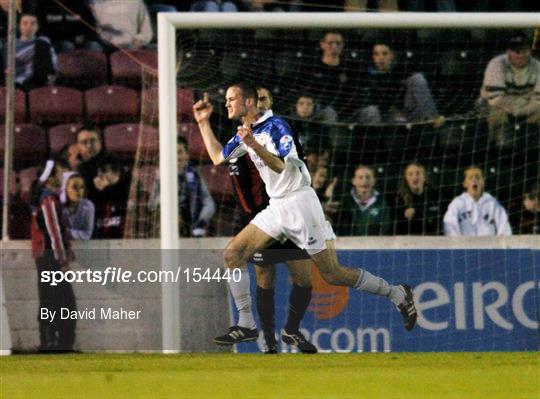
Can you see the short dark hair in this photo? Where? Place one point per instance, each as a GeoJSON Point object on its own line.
{"type": "Point", "coordinates": [270, 96]}
{"type": "Point", "coordinates": [330, 32]}
{"type": "Point", "coordinates": [89, 128]}
{"type": "Point", "coordinates": [28, 14]}
{"type": "Point", "coordinates": [248, 89]}
{"type": "Point", "coordinates": [470, 167]}
{"type": "Point", "coordinates": [364, 166]}
{"type": "Point", "coordinates": [382, 42]}
{"type": "Point", "coordinates": [110, 163]}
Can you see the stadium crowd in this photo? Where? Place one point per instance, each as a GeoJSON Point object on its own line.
{"type": "Point", "coordinates": [77, 96]}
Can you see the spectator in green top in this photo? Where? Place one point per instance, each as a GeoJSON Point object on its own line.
{"type": "Point", "coordinates": [364, 211]}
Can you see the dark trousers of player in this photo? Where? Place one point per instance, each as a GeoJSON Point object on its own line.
{"type": "Point", "coordinates": [58, 335]}
{"type": "Point", "coordinates": [298, 303]}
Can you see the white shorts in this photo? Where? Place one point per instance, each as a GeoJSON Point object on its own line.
{"type": "Point", "coordinates": [299, 217]}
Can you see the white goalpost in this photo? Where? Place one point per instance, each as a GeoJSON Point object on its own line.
{"type": "Point", "coordinates": [168, 23]}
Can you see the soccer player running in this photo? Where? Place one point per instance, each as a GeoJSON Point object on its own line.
{"type": "Point", "coordinates": [294, 211]}
{"type": "Point", "coordinates": [252, 198]}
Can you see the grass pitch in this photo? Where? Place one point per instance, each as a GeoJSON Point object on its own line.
{"type": "Point", "coordinates": [340, 376]}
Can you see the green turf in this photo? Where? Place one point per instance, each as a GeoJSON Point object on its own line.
{"type": "Point", "coordinates": [392, 375]}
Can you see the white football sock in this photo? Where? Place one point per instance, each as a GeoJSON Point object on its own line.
{"type": "Point", "coordinates": [378, 286]}
{"type": "Point", "coordinates": [242, 299]}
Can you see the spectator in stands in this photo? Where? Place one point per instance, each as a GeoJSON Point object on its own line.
{"type": "Point", "coordinates": [78, 212]}
{"type": "Point", "coordinates": [214, 6]}
{"type": "Point", "coordinates": [332, 78]}
{"type": "Point", "coordinates": [475, 212]}
{"type": "Point", "coordinates": [91, 154]}
{"type": "Point", "coordinates": [392, 95]}
{"type": "Point", "coordinates": [35, 59]}
{"type": "Point", "coordinates": [364, 211]}
{"type": "Point", "coordinates": [68, 29]}
{"type": "Point", "coordinates": [50, 249]}
{"type": "Point", "coordinates": [315, 156]}
{"type": "Point", "coordinates": [305, 107]}
{"type": "Point", "coordinates": [418, 210]}
{"type": "Point", "coordinates": [361, 5]}
{"type": "Point", "coordinates": [70, 155]}
{"type": "Point", "coordinates": [306, 120]}
{"type": "Point", "coordinates": [265, 100]}
{"type": "Point", "coordinates": [511, 87]}
{"type": "Point", "coordinates": [195, 204]}
{"type": "Point", "coordinates": [122, 23]}
{"type": "Point", "coordinates": [111, 185]}
{"type": "Point", "coordinates": [325, 191]}
{"type": "Point", "coordinates": [525, 212]}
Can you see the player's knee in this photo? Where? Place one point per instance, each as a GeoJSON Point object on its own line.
{"type": "Point", "coordinates": [232, 258]}
{"type": "Point", "coordinates": [265, 278]}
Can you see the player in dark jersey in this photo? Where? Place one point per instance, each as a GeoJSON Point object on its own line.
{"type": "Point", "coordinates": [252, 197]}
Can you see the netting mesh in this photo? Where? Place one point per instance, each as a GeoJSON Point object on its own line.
{"type": "Point", "coordinates": [427, 112]}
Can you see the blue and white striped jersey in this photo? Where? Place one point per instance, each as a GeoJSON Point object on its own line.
{"type": "Point", "coordinates": [276, 136]}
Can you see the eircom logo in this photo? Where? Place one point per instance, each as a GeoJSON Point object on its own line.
{"type": "Point", "coordinates": [342, 340]}
{"type": "Point", "coordinates": [483, 302]}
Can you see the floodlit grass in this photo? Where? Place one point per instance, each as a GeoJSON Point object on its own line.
{"type": "Point", "coordinates": [391, 375]}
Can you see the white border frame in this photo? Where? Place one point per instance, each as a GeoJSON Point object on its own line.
{"type": "Point", "coordinates": [169, 22]}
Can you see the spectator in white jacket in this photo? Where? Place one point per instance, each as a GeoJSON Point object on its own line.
{"type": "Point", "coordinates": [122, 23]}
{"type": "Point", "coordinates": [475, 212]}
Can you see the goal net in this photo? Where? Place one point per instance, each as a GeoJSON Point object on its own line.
{"type": "Point", "coordinates": [426, 110]}
{"type": "Point", "coordinates": [392, 93]}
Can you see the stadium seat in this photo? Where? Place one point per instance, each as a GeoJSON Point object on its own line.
{"type": "Point", "coordinates": [122, 140]}
{"type": "Point", "coordinates": [20, 105]}
{"type": "Point", "coordinates": [150, 105]}
{"type": "Point", "coordinates": [82, 68]}
{"type": "Point", "coordinates": [55, 104]}
{"type": "Point", "coordinates": [29, 145]}
{"type": "Point", "coordinates": [60, 135]}
{"type": "Point", "coordinates": [218, 181]}
{"type": "Point", "coordinates": [111, 104]}
{"type": "Point", "coordinates": [26, 177]}
{"type": "Point", "coordinates": [197, 149]}
{"type": "Point", "coordinates": [127, 65]}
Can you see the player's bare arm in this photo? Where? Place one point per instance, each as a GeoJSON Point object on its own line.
{"type": "Point", "coordinates": [273, 162]}
{"type": "Point", "coordinates": [202, 110]}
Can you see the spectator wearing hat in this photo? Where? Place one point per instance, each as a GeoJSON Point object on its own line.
{"type": "Point", "coordinates": [511, 87]}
